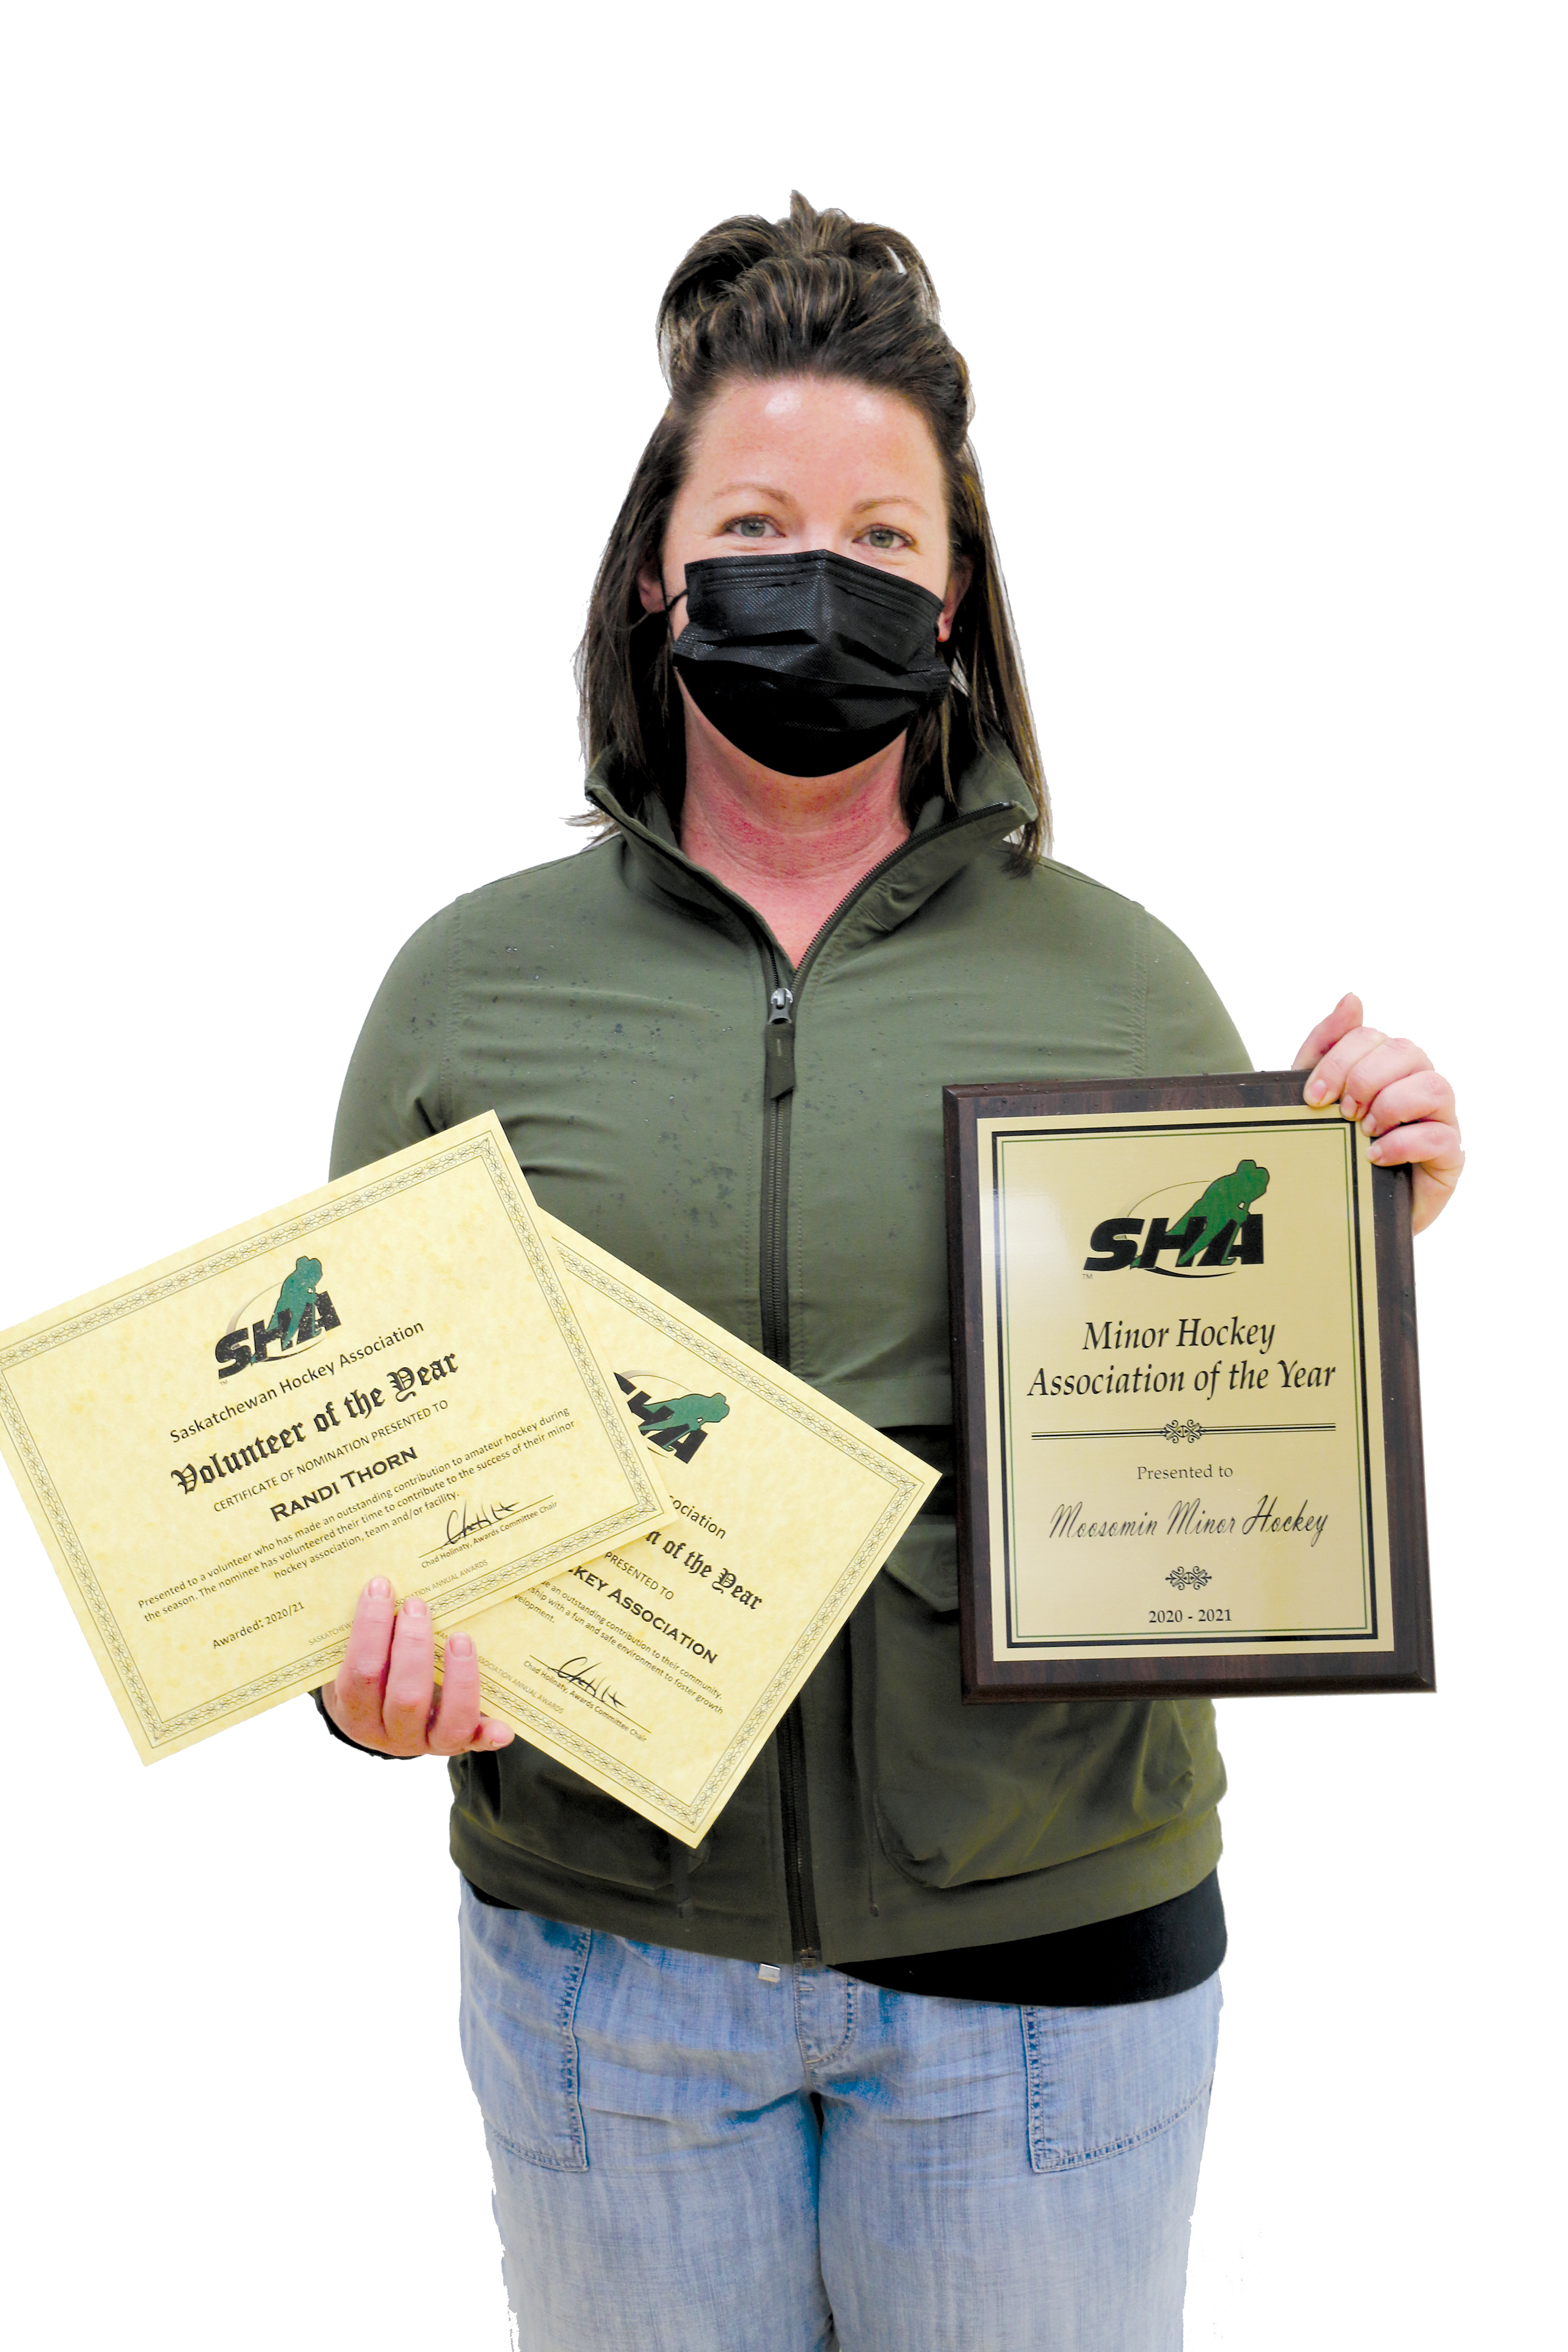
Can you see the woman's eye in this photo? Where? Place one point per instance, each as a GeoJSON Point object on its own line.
{"type": "Point", "coordinates": [884, 538]}
{"type": "Point", "coordinates": [750, 525]}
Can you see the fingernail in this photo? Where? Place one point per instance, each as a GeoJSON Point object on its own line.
{"type": "Point", "coordinates": [414, 1607]}
{"type": "Point", "coordinates": [380, 1588]}
{"type": "Point", "coordinates": [459, 1645]}
{"type": "Point", "coordinates": [1369, 1125]}
{"type": "Point", "coordinates": [1348, 1109]}
{"type": "Point", "coordinates": [1316, 1090]}
{"type": "Point", "coordinates": [1374, 1152]}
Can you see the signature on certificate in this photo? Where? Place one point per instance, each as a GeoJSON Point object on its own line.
{"type": "Point", "coordinates": [463, 1521]}
{"type": "Point", "coordinates": [580, 1673]}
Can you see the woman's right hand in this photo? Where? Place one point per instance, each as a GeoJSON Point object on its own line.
{"type": "Point", "coordinates": [384, 1692]}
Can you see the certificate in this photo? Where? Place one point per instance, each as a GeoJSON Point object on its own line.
{"type": "Point", "coordinates": [657, 1671]}
{"type": "Point", "coordinates": [1189, 1421]}
{"type": "Point", "coordinates": [386, 1377]}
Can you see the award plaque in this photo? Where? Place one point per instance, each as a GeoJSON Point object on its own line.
{"type": "Point", "coordinates": [1185, 1390]}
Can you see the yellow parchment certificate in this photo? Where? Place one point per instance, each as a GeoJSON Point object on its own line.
{"type": "Point", "coordinates": [388, 1377]}
{"type": "Point", "coordinates": [657, 1671]}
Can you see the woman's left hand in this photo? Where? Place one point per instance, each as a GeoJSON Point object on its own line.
{"type": "Point", "coordinates": [1390, 1085]}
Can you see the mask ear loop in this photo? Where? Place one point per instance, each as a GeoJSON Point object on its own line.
{"type": "Point", "coordinates": [660, 612]}
{"type": "Point", "coordinates": [666, 678]}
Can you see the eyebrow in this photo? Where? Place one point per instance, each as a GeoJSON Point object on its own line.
{"type": "Point", "coordinates": [785, 498]}
{"type": "Point", "coordinates": [732, 489]}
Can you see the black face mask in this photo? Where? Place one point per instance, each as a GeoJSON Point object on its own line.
{"type": "Point", "coordinates": [809, 663]}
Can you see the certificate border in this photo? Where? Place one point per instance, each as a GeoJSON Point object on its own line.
{"type": "Point", "coordinates": [1408, 1665]}
{"type": "Point", "coordinates": [162, 1733]}
{"type": "Point", "coordinates": [697, 1812]}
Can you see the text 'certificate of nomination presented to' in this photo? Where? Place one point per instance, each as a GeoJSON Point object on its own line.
{"type": "Point", "coordinates": [387, 1377]}
{"type": "Point", "coordinates": [1185, 1353]}
{"type": "Point", "coordinates": [657, 1671]}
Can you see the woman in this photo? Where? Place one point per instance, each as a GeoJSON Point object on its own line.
{"type": "Point", "coordinates": [914, 2052]}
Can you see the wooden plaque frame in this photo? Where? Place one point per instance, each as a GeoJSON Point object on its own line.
{"type": "Point", "coordinates": [1402, 1579]}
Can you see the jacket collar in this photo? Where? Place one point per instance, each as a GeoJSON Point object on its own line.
{"type": "Point", "coordinates": [989, 801]}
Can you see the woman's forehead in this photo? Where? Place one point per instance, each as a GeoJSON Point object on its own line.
{"type": "Point", "coordinates": [760, 431]}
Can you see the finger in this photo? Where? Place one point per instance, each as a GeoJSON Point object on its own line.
{"type": "Point", "coordinates": [1425, 1094]}
{"type": "Point", "coordinates": [354, 1696]}
{"type": "Point", "coordinates": [1431, 1190]}
{"type": "Point", "coordinates": [1395, 1059]}
{"type": "Point", "coordinates": [410, 1678]}
{"type": "Point", "coordinates": [1438, 1161]}
{"type": "Point", "coordinates": [460, 1691]}
{"type": "Point", "coordinates": [457, 1709]}
{"type": "Point", "coordinates": [1426, 1143]}
{"type": "Point", "coordinates": [1346, 1014]}
{"type": "Point", "coordinates": [1329, 1075]}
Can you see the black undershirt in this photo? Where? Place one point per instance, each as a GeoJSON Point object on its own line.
{"type": "Point", "coordinates": [1143, 1956]}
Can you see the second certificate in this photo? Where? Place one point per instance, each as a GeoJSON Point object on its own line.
{"type": "Point", "coordinates": [657, 1671]}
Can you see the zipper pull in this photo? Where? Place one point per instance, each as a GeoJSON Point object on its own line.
{"type": "Point", "coordinates": [778, 1039]}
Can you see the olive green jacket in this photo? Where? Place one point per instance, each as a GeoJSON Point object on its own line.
{"type": "Point", "coordinates": [785, 1177]}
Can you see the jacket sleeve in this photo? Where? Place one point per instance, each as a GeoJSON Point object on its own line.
{"type": "Point", "coordinates": [393, 1095]}
{"type": "Point", "coordinates": [1186, 1030]}
{"type": "Point", "coordinates": [396, 1092]}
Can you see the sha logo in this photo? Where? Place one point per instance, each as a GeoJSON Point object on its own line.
{"type": "Point", "coordinates": [678, 1425]}
{"type": "Point", "coordinates": [301, 1312]}
{"type": "Point", "coordinates": [1216, 1234]}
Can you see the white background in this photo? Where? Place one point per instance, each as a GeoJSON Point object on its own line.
{"type": "Point", "coordinates": [329, 353]}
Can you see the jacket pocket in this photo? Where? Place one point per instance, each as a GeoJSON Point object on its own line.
{"type": "Point", "coordinates": [925, 1562]}
{"type": "Point", "coordinates": [521, 1798]}
{"type": "Point", "coordinates": [961, 1794]}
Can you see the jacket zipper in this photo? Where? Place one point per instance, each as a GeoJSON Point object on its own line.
{"type": "Point", "coordinates": [778, 1092]}
{"type": "Point", "coordinates": [778, 1088]}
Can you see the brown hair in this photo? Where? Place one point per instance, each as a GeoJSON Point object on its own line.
{"type": "Point", "coordinates": [817, 294]}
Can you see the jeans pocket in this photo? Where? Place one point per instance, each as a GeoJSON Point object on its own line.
{"type": "Point", "coordinates": [522, 1977]}
{"type": "Point", "coordinates": [1104, 2081]}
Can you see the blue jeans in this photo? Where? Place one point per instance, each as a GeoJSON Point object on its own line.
{"type": "Point", "coordinates": [690, 2157]}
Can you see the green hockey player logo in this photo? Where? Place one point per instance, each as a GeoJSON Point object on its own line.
{"type": "Point", "coordinates": [295, 1313]}
{"type": "Point", "coordinates": [676, 1425]}
{"type": "Point", "coordinates": [302, 1313]}
{"type": "Point", "coordinates": [1223, 1208]}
